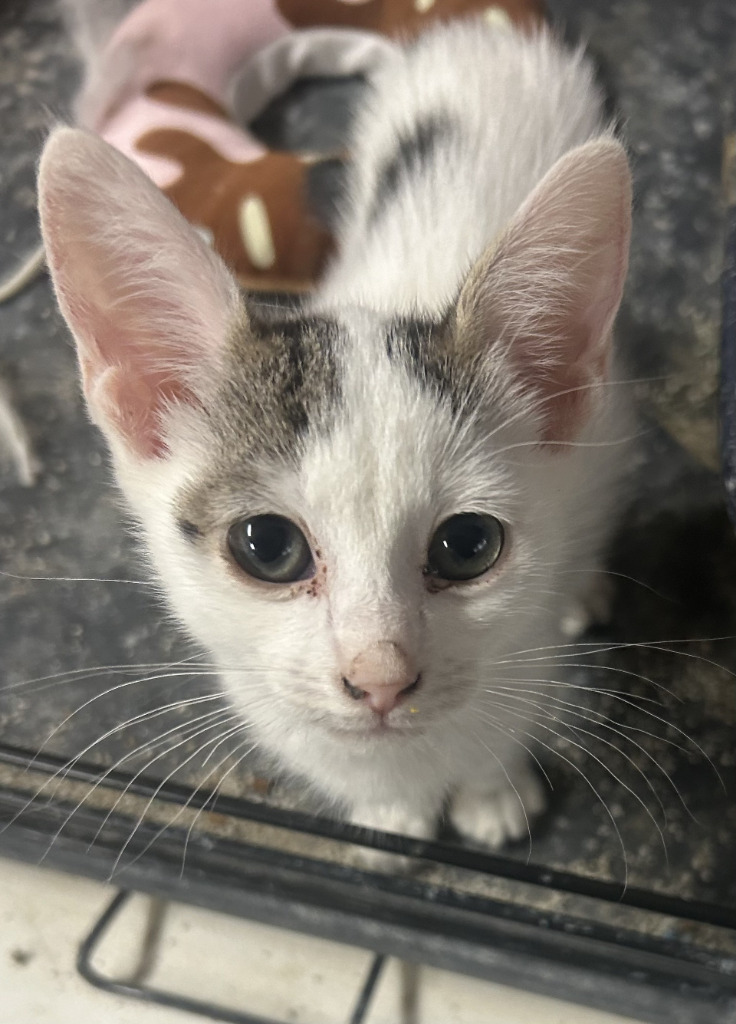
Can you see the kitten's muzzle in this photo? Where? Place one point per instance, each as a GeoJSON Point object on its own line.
{"type": "Point", "coordinates": [382, 675]}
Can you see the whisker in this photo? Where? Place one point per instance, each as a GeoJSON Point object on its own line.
{"type": "Point", "coordinates": [603, 722]}
{"type": "Point", "coordinates": [167, 778]}
{"type": "Point", "coordinates": [589, 647]}
{"type": "Point", "coordinates": [212, 799]}
{"type": "Point", "coordinates": [121, 761]}
{"type": "Point", "coordinates": [609, 572]}
{"type": "Point", "coordinates": [630, 700]}
{"type": "Point", "coordinates": [76, 675]}
{"type": "Point", "coordinates": [74, 579]}
{"type": "Point", "coordinates": [618, 670]}
{"type": "Point", "coordinates": [66, 768]}
{"type": "Point", "coordinates": [614, 443]}
{"type": "Point", "coordinates": [119, 686]}
{"type": "Point", "coordinates": [218, 719]}
{"type": "Point", "coordinates": [602, 764]}
{"type": "Point", "coordinates": [502, 766]}
{"type": "Point", "coordinates": [537, 741]}
{"type": "Point", "coordinates": [522, 414]}
{"type": "Point", "coordinates": [187, 804]}
{"type": "Point", "coordinates": [94, 672]}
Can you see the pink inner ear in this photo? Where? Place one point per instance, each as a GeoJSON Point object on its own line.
{"type": "Point", "coordinates": [565, 402]}
{"type": "Point", "coordinates": [576, 329]}
{"type": "Point", "coordinates": [131, 375]}
{"type": "Point", "coordinates": [132, 371]}
{"type": "Point", "coordinates": [150, 307]}
{"type": "Point", "coordinates": [550, 292]}
{"type": "Point", "coordinates": [133, 405]}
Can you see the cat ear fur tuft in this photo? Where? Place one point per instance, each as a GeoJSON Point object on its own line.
{"type": "Point", "coordinates": [548, 292]}
{"type": "Point", "coordinates": [150, 306]}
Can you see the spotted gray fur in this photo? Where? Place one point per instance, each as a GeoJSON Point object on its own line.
{"type": "Point", "coordinates": [281, 382]}
{"type": "Point", "coordinates": [427, 348]}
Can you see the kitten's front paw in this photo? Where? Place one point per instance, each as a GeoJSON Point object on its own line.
{"type": "Point", "coordinates": [391, 818]}
{"type": "Point", "coordinates": [496, 815]}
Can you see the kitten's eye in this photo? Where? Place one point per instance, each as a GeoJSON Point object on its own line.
{"type": "Point", "coordinates": [464, 546]}
{"type": "Point", "coordinates": [270, 548]}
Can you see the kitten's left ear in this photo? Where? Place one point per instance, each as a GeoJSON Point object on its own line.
{"type": "Point", "coordinates": [547, 294]}
{"type": "Point", "coordinates": [150, 306]}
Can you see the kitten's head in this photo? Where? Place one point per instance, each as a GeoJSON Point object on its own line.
{"type": "Point", "coordinates": [362, 515]}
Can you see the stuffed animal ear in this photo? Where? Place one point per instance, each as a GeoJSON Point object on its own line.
{"type": "Point", "coordinates": [150, 306]}
{"type": "Point", "coordinates": [547, 294]}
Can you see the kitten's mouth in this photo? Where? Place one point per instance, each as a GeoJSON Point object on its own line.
{"type": "Point", "coordinates": [376, 729]}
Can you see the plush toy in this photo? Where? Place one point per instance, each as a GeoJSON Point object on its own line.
{"type": "Point", "coordinates": [179, 77]}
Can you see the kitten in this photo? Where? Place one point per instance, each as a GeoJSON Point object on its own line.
{"type": "Point", "coordinates": [373, 504]}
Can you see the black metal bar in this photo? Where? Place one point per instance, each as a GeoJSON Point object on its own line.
{"type": "Point", "coordinates": [727, 402]}
{"type": "Point", "coordinates": [444, 853]}
{"type": "Point", "coordinates": [369, 987]}
{"type": "Point", "coordinates": [649, 981]}
{"type": "Point", "coordinates": [251, 871]}
{"type": "Point", "coordinates": [146, 993]}
{"type": "Point", "coordinates": [203, 1008]}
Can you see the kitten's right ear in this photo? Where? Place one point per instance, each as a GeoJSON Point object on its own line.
{"type": "Point", "coordinates": [150, 306]}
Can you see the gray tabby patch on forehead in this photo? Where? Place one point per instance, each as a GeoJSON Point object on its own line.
{"type": "Point", "coordinates": [426, 348]}
{"type": "Point", "coordinates": [281, 382]}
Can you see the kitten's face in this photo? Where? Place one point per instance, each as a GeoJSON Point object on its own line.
{"type": "Point", "coordinates": [368, 442]}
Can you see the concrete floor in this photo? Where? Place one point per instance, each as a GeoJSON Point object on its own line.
{"type": "Point", "coordinates": [44, 915]}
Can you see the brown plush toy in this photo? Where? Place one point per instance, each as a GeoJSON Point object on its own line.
{"type": "Point", "coordinates": [164, 94]}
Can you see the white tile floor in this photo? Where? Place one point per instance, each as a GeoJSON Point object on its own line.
{"type": "Point", "coordinates": [44, 915]}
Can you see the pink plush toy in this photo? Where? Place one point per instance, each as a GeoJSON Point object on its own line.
{"type": "Point", "coordinates": [164, 93]}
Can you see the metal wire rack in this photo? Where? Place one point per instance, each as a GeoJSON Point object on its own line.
{"type": "Point", "coordinates": [649, 963]}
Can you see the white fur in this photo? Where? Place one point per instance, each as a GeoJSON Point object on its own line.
{"type": "Point", "coordinates": [372, 491]}
{"type": "Point", "coordinates": [518, 105]}
{"type": "Point", "coordinates": [393, 470]}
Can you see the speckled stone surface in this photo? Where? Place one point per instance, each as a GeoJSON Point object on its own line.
{"type": "Point", "coordinates": [667, 67]}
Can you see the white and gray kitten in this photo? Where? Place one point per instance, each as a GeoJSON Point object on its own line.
{"type": "Point", "coordinates": [367, 510]}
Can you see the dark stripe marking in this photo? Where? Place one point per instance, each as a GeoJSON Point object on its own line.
{"type": "Point", "coordinates": [426, 348]}
{"type": "Point", "coordinates": [413, 152]}
{"type": "Point", "coordinates": [190, 530]}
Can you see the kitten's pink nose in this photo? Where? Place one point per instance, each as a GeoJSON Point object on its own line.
{"type": "Point", "coordinates": [381, 675]}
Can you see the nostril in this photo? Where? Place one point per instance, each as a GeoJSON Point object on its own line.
{"type": "Point", "coordinates": [354, 691]}
{"type": "Point", "coordinates": [411, 687]}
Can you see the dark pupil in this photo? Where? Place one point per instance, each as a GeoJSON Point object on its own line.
{"type": "Point", "coordinates": [465, 540]}
{"type": "Point", "coordinates": [465, 546]}
{"type": "Point", "coordinates": [271, 548]}
{"type": "Point", "coordinates": [268, 539]}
